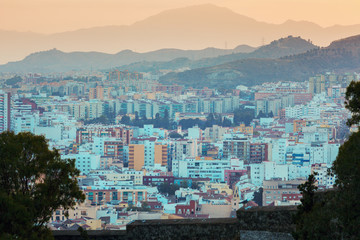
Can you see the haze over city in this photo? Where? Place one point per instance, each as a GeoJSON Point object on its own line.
{"type": "Point", "coordinates": [54, 16]}
{"type": "Point", "coordinates": [179, 119]}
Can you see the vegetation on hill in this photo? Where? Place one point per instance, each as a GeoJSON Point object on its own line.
{"type": "Point", "coordinates": [343, 55]}
{"type": "Point", "coordinates": [13, 81]}
{"type": "Point", "coordinates": [276, 49]}
{"type": "Point", "coordinates": [56, 60]}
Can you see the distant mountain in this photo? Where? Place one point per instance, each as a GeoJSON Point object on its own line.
{"type": "Point", "coordinates": [342, 56]}
{"type": "Point", "coordinates": [195, 27]}
{"type": "Point", "coordinates": [279, 48]}
{"type": "Point", "coordinates": [58, 61]}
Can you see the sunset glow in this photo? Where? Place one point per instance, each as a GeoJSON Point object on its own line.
{"type": "Point", "coordinates": [65, 15]}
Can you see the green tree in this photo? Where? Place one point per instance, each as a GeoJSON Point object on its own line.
{"type": "Point", "coordinates": [258, 196]}
{"type": "Point", "coordinates": [175, 135]}
{"type": "Point", "coordinates": [165, 122]}
{"type": "Point", "coordinates": [271, 114]}
{"type": "Point", "coordinates": [352, 102]}
{"type": "Point", "coordinates": [167, 188]}
{"type": "Point", "coordinates": [307, 189]}
{"type": "Point", "coordinates": [184, 184]}
{"type": "Point", "coordinates": [195, 185]}
{"type": "Point", "coordinates": [34, 182]}
{"type": "Point", "coordinates": [125, 120]}
{"type": "Point", "coordinates": [13, 81]}
{"type": "Point", "coordinates": [244, 115]}
{"type": "Point", "coordinates": [261, 115]}
{"type": "Point", "coordinates": [210, 120]}
{"type": "Point", "coordinates": [335, 214]}
{"type": "Point", "coordinates": [346, 168]}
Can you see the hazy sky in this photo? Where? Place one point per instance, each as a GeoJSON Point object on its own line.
{"type": "Point", "coordinates": [48, 16]}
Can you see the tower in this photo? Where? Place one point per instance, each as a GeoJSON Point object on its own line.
{"type": "Point", "coordinates": [5, 109]}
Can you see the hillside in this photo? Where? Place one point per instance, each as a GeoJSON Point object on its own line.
{"type": "Point", "coordinates": [58, 61]}
{"type": "Point", "coordinates": [279, 48]}
{"type": "Point", "coordinates": [341, 55]}
{"type": "Point", "coordinates": [181, 28]}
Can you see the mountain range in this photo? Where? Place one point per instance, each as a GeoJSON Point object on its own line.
{"type": "Point", "coordinates": [340, 56]}
{"type": "Point", "coordinates": [169, 59]}
{"type": "Point", "coordinates": [195, 27]}
{"type": "Point", "coordinates": [57, 61]}
{"type": "Point", "coordinates": [276, 49]}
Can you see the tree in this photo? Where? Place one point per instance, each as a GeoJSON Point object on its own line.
{"type": "Point", "coordinates": [244, 115]}
{"type": "Point", "coordinates": [125, 120]}
{"type": "Point", "coordinates": [103, 119]}
{"type": "Point", "coordinates": [34, 182]}
{"type": "Point", "coordinates": [175, 135]}
{"type": "Point", "coordinates": [307, 189]}
{"type": "Point", "coordinates": [195, 185]}
{"type": "Point", "coordinates": [165, 122]}
{"type": "Point", "coordinates": [271, 114]}
{"type": "Point", "coordinates": [317, 217]}
{"type": "Point", "coordinates": [184, 184]}
{"type": "Point", "coordinates": [258, 199]}
{"type": "Point", "coordinates": [346, 168]}
{"type": "Point", "coordinates": [261, 115]}
{"type": "Point", "coordinates": [13, 81]}
{"type": "Point", "coordinates": [226, 122]}
{"type": "Point", "coordinates": [352, 102]}
{"type": "Point", "coordinates": [167, 188]}
{"type": "Point", "coordinates": [145, 205]}
{"type": "Point", "coordinates": [210, 120]}
{"type": "Point", "coordinates": [335, 214]}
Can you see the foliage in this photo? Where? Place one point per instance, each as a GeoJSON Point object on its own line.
{"type": "Point", "coordinates": [243, 115]}
{"type": "Point", "coordinates": [258, 196]}
{"type": "Point", "coordinates": [167, 188]}
{"type": "Point", "coordinates": [342, 56]}
{"type": "Point", "coordinates": [175, 135]}
{"type": "Point", "coordinates": [125, 120]}
{"type": "Point", "coordinates": [307, 189]}
{"type": "Point", "coordinates": [264, 115]}
{"type": "Point", "coordinates": [335, 214]}
{"type": "Point", "coordinates": [317, 217]}
{"type": "Point", "coordinates": [211, 120]}
{"type": "Point", "coordinates": [346, 167]}
{"type": "Point", "coordinates": [140, 121]}
{"type": "Point", "coordinates": [34, 182]}
{"type": "Point", "coordinates": [83, 233]}
{"type": "Point", "coordinates": [352, 102]}
{"type": "Point", "coordinates": [13, 81]}
{"type": "Point", "coordinates": [195, 185]}
{"type": "Point", "coordinates": [189, 123]}
{"type": "Point", "coordinates": [103, 119]}
{"type": "Point", "coordinates": [144, 208]}
{"type": "Point", "coordinates": [184, 184]}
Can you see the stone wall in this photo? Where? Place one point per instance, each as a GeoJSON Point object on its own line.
{"type": "Point", "coordinates": [254, 223]}
{"type": "Point", "coordinates": [217, 228]}
{"type": "Point", "coordinates": [269, 218]}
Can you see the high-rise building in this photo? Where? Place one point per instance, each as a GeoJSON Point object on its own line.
{"type": "Point", "coordinates": [136, 156]}
{"type": "Point", "coordinates": [147, 153]}
{"type": "Point", "coordinates": [236, 147]}
{"type": "Point", "coordinates": [5, 110]}
{"type": "Point", "coordinates": [317, 84]}
{"type": "Point", "coordinates": [258, 152]}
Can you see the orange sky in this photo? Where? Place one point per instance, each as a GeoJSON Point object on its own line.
{"type": "Point", "coordinates": [49, 16]}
